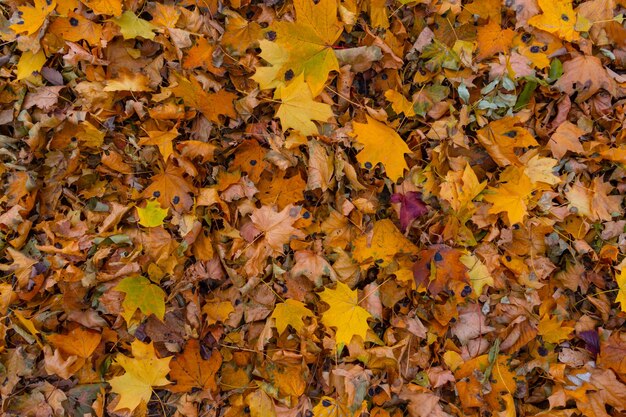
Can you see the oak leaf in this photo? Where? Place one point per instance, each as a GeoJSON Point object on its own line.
{"type": "Point", "coordinates": [143, 372]}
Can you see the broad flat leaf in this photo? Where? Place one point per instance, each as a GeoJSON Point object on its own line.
{"type": "Point", "coordinates": [75, 28]}
{"type": "Point", "coordinates": [558, 18]}
{"type": "Point", "coordinates": [566, 138]}
{"type": "Point", "coordinates": [399, 103]}
{"type": "Point", "coordinates": [291, 313]}
{"type": "Point", "coordinates": [540, 169]}
{"type": "Point", "coordinates": [501, 137]}
{"type": "Point", "coordinates": [281, 191]}
{"type": "Point", "coordinates": [152, 215]}
{"type": "Point", "coordinates": [190, 370]}
{"type": "Point", "coordinates": [382, 245]}
{"type": "Point", "coordinates": [329, 407]}
{"type": "Point", "coordinates": [511, 198]}
{"type": "Point", "coordinates": [478, 273]}
{"type": "Point", "coordinates": [143, 372]}
{"type": "Point", "coordinates": [79, 342]}
{"type": "Point", "coordinates": [438, 267]}
{"type": "Point", "coordinates": [586, 75]}
{"type": "Point", "coordinates": [133, 27]}
{"type": "Point", "coordinates": [551, 329]}
{"type": "Point", "coordinates": [411, 207]}
{"type": "Point", "coordinates": [162, 140]}
{"type": "Point", "coordinates": [298, 108]}
{"type": "Point", "coordinates": [107, 7]}
{"type": "Point", "coordinates": [277, 226]}
{"type": "Point", "coordinates": [170, 188]}
{"type": "Point", "coordinates": [460, 188]}
{"type": "Point", "coordinates": [128, 82]}
{"type": "Point", "coordinates": [30, 63]}
{"type": "Point", "coordinates": [492, 39]}
{"type": "Point", "coordinates": [621, 285]}
{"type": "Point", "coordinates": [344, 313]}
{"type": "Point", "coordinates": [240, 33]}
{"type": "Point", "coordinates": [33, 17]}
{"type": "Point", "coordinates": [381, 144]}
{"type": "Point", "coordinates": [302, 47]}
{"type": "Point", "coordinates": [211, 105]}
{"type": "Point", "coordinates": [141, 294]}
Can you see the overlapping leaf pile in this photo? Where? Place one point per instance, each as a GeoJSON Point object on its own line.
{"type": "Point", "coordinates": [313, 208]}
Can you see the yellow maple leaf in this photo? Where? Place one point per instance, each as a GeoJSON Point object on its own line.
{"type": "Point", "coordinates": [298, 109]}
{"type": "Point", "coordinates": [30, 63]}
{"type": "Point", "coordinates": [381, 144]}
{"type": "Point", "coordinates": [558, 18]}
{"type": "Point", "coordinates": [511, 197]}
{"type": "Point", "coordinates": [152, 215]}
{"type": "Point", "coordinates": [344, 313]}
{"type": "Point", "coordinates": [109, 7]}
{"type": "Point", "coordinates": [501, 137]}
{"type": "Point", "coordinates": [302, 47]}
{"type": "Point", "coordinates": [33, 17]}
{"type": "Point", "coordinates": [399, 103]}
{"type": "Point", "coordinates": [551, 329]}
{"type": "Point", "coordinates": [290, 313]}
{"type": "Point", "coordinates": [621, 285]}
{"type": "Point", "coordinates": [162, 140]}
{"type": "Point", "coordinates": [381, 247]}
{"type": "Point", "coordinates": [144, 371]}
{"type": "Point", "coordinates": [132, 26]}
{"type": "Point", "coordinates": [460, 188]}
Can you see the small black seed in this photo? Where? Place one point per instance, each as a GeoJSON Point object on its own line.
{"type": "Point", "coordinates": [306, 215]}
{"type": "Point", "coordinates": [526, 37]}
{"type": "Point", "coordinates": [511, 134]}
{"type": "Point", "coordinates": [508, 258]}
{"type": "Point", "coordinates": [368, 165]}
{"type": "Point", "coordinates": [253, 162]}
{"type": "Point", "coordinates": [156, 194]}
{"type": "Point", "coordinates": [565, 17]}
{"type": "Point", "coordinates": [534, 49]}
{"type": "Point", "coordinates": [74, 21]}
{"type": "Point", "coordinates": [326, 403]}
{"type": "Point", "coordinates": [289, 75]}
{"type": "Point", "coordinates": [438, 257]}
{"type": "Point", "coordinates": [467, 290]}
{"type": "Point", "coordinates": [271, 35]}
{"type": "Point", "coordinates": [176, 199]}
{"type": "Point", "coordinates": [384, 77]}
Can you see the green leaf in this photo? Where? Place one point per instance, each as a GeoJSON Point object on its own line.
{"type": "Point", "coordinates": [556, 70]}
{"type": "Point", "coordinates": [526, 94]}
{"type": "Point", "coordinates": [143, 295]}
